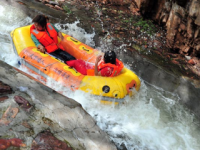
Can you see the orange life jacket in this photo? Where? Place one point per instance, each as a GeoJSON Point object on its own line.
{"type": "Point", "coordinates": [116, 68]}
{"type": "Point", "coordinates": [32, 28]}
{"type": "Point", "coordinates": [49, 41]}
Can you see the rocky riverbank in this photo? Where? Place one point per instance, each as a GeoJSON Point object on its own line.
{"type": "Point", "coordinates": [32, 116]}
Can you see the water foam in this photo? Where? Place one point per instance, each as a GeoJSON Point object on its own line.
{"type": "Point", "coordinates": [14, 19]}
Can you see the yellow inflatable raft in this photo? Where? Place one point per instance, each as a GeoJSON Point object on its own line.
{"type": "Point", "coordinates": [109, 89]}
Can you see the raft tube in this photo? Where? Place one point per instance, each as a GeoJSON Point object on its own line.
{"type": "Point", "coordinates": [108, 89]}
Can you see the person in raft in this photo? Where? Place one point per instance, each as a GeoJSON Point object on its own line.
{"type": "Point", "coordinates": [44, 35]}
{"type": "Point", "coordinates": [110, 66]}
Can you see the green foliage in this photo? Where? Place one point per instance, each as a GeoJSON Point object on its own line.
{"type": "Point", "coordinates": [130, 20]}
{"type": "Point", "coordinates": [121, 12]}
{"type": "Point", "coordinates": [126, 21]}
{"type": "Point", "coordinates": [120, 16]}
{"type": "Point", "coordinates": [146, 26]}
{"type": "Point", "coordinates": [67, 9]}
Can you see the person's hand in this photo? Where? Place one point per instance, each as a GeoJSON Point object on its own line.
{"type": "Point", "coordinates": [98, 59]}
{"type": "Point", "coordinates": [60, 36]}
{"type": "Point", "coordinates": [96, 72]}
{"type": "Point", "coordinates": [41, 48]}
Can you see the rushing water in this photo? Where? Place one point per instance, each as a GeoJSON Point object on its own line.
{"type": "Point", "coordinates": [152, 120]}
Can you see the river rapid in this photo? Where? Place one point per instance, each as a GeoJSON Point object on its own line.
{"type": "Point", "coordinates": [152, 120]}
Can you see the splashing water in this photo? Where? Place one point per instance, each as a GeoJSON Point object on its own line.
{"type": "Point", "coordinates": [77, 32]}
{"type": "Point", "coordinates": [152, 120]}
{"type": "Point", "coordinates": [15, 18]}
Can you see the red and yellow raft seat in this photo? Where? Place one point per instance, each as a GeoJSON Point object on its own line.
{"type": "Point", "coordinates": [44, 66]}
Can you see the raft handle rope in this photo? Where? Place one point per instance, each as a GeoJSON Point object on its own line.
{"type": "Point", "coordinates": [74, 40]}
{"type": "Point", "coordinates": [86, 49]}
{"type": "Point", "coordinates": [45, 68]}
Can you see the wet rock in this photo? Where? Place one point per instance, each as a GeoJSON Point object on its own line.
{"type": "Point", "coordinates": [190, 30]}
{"type": "Point", "coordinates": [115, 2]}
{"type": "Point", "coordinates": [5, 89]}
{"type": "Point", "coordinates": [4, 144]}
{"type": "Point", "coordinates": [188, 57]}
{"type": "Point", "coordinates": [185, 49]}
{"type": "Point", "coordinates": [26, 125]}
{"type": "Point", "coordinates": [182, 26]}
{"type": "Point", "coordinates": [197, 21]}
{"type": "Point", "coordinates": [165, 8]}
{"type": "Point", "coordinates": [196, 33]}
{"type": "Point", "coordinates": [173, 55]}
{"type": "Point", "coordinates": [46, 140]}
{"type": "Point", "coordinates": [197, 47]}
{"type": "Point", "coordinates": [21, 3]}
{"type": "Point", "coordinates": [191, 61]}
{"type": "Point", "coordinates": [194, 8]}
{"type": "Point", "coordinates": [44, 1]}
{"type": "Point", "coordinates": [175, 17]}
{"type": "Point", "coordinates": [53, 3]}
{"type": "Point", "coordinates": [47, 121]}
{"type": "Point", "coordinates": [118, 28]}
{"type": "Point", "coordinates": [133, 8]}
{"type": "Point", "coordinates": [8, 116]}
{"type": "Point", "coordinates": [194, 61]}
{"type": "Point", "coordinates": [114, 11]}
{"type": "Point", "coordinates": [3, 98]}
{"type": "Point", "coordinates": [57, 7]}
{"type": "Point", "coordinates": [49, 5]}
{"type": "Point", "coordinates": [175, 62]}
{"type": "Point", "coordinates": [15, 142]}
{"type": "Point", "coordinates": [158, 34]}
{"type": "Point", "coordinates": [141, 3]}
{"type": "Point", "coordinates": [23, 103]}
{"type": "Point", "coordinates": [157, 43]}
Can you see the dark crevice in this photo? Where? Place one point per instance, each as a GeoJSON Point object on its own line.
{"type": "Point", "coordinates": [182, 3]}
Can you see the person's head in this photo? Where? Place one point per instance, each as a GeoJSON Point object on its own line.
{"type": "Point", "coordinates": [110, 57]}
{"type": "Point", "coordinates": [40, 22]}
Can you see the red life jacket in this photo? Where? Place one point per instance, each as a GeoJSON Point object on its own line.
{"type": "Point", "coordinates": [116, 68]}
{"type": "Point", "coordinates": [49, 42]}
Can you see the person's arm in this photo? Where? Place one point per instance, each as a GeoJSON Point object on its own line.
{"type": "Point", "coordinates": [106, 71]}
{"type": "Point", "coordinates": [38, 44]}
{"type": "Point", "coordinates": [59, 33]}
{"type": "Point", "coordinates": [55, 28]}
{"type": "Point", "coordinates": [96, 72]}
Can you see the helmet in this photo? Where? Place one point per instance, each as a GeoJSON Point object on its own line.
{"type": "Point", "coordinates": [110, 57]}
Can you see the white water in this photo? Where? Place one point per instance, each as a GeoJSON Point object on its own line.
{"type": "Point", "coordinates": [152, 120]}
